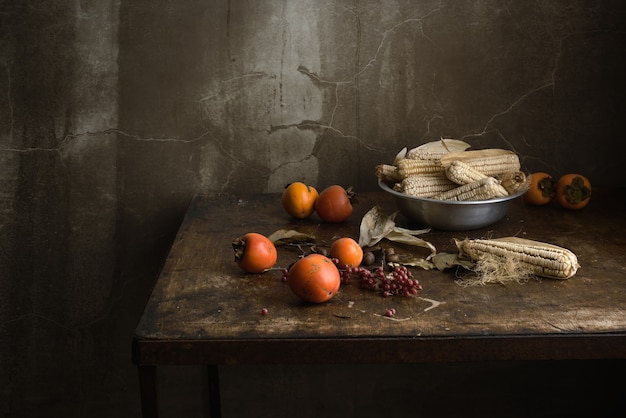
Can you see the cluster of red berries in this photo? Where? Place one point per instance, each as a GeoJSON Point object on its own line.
{"type": "Point", "coordinates": [399, 281]}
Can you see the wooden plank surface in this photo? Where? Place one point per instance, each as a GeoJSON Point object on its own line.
{"type": "Point", "coordinates": [202, 303]}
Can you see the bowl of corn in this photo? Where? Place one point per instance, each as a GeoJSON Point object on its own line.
{"type": "Point", "coordinates": [453, 189]}
{"type": "Point", "coordinates": [450, 215]}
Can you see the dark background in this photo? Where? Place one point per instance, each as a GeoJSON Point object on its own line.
{"type": "Point", "coordinates": [114, 113]}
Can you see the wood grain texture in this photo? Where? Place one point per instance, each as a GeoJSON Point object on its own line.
{"type": "Point", "coordinates": [205, 310]}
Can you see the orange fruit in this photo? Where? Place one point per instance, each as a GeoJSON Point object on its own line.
{"type": "Point", "coordinates": [314, 278]}
{"type": "Point", "coordinates": [254, 253]}
{"type": "Point", "coordinates": [298, 200]}
{"type": "Point", "coordinates": [347, 251]}
{"type": "Point", "coordinates": [573, 191]}
{"type": "Point", "coordinates": [334, 204]}
{"type": "Point", "coordinates": [541, 189]}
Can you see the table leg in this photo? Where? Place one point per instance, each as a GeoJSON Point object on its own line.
{"type": "Point", "coordinates": [148, 391]}
{"type": "Point", "coordinates": [215, 406]}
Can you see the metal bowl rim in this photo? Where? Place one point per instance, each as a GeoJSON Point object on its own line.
{"type": "Point", "coordinates": [388, 189]}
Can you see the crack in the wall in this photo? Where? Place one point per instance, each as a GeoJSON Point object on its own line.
{"type": "Point", "coordinates": [61, 153]}
{"type": "Point", "coordinates": [317, 80]}
{"type": "Point", "coordinates": [289, 163]}
{"type": "Point", "coordinates": [392, 31]}
{"type": "Point", "coordinates": [62, 149]}
{"type": "Point", "coordinates": [234, 172]}
{"type": "Point", "coordinates": [486, 129]}
{"type": "Point", "coordinates": [434, 110]}
{"type": "Point", "coordinates": [432, 115]}
{"type": "Point", "coordinates": [137, 137]}
{"type": "Point", "coordinates": [550, 84]}
{"type": "Point", "coordinates": [69, 137]}
{"type": "Point", "coordinates": [353, 80]}
{"type": "Point", "coordinates": [226, 85]}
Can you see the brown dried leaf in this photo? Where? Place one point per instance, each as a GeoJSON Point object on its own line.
{"type": "Point", "coordinates": [400, 155]}
{"type": "Point", "coordinates": [286, 236]}
{"type": "Point", "coordinates": [404, 237]}
{"type": "Point", "coordinates": [416, 262]}
{"type": "Point", "coordinates": [443, 146]}
{"type": "Point", "coordinates": [448, 260]}
{"type": "Point", "coordinates": [375, 225]}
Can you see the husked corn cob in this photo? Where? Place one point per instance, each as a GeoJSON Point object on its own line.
{"type": "Point", "coordinates": [513, 182]}
{"type": "Point", "coordinates": [425, 186]}
{"type": "Point", "coordinates": [483, 189]}
{"type": "Point", "coordinates": [490, 161]}
{"type": "Point", "coordinates": [462, 173]}
{"type": "Point", "coordinates": [542, 259]}
{"type": "Point", "coordinates": [409, 167]}
{"type": "Point", "coordinates": [387, 172]}
{"type": "Point", "coordinates": [416, 154]}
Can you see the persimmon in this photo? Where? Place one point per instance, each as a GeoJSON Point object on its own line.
{"type": "Point", "coordinates": [541, 189]}
{"type": "Point", "coordinates": [573, 191]}
{"type": "Point", "coordinates": [298, 199]}
{"type": "Point", "coordinates": [314, 278]}
{"type": "Point", "coordinates": [254, 253]}
{"type": "Point", "coordinates": [347, 252]}
{"type": "Point", "coordinates": [334, 204]}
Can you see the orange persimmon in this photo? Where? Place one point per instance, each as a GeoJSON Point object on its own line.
{"type": "Point", "coordinates": [573, 191]}
{"type": "Point", "coordinates": [314, 278]}
{"type": "Point", "coordinates": [347, 252]}
{"type": "Point", "coordinates": [254, 253]}
{"type": "Point", "coordinates": [298, 199]}
{"type": "Point", "coordinates": [334, 204]}
{"type": "Point", "coordinates": [541, 189]}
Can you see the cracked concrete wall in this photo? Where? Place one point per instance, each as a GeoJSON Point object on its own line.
{"type": "Point", "coordinates": [114, 113]}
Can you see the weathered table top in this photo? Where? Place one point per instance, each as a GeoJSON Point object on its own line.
{"type": "Point", "coordinates": [204, 310]}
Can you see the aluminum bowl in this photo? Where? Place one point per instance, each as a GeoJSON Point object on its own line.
{"type": "Point", "coordinates": [450, 215]}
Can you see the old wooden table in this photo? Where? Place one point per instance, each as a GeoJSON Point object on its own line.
{"type": "Point", "coordinates": [205, 311]}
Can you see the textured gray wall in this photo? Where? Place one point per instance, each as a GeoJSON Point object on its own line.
{"type": "Point", "coordinates": [113, 113]}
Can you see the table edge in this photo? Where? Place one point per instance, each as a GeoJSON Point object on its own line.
{"type": "Point", "coordinates": [381, 350]}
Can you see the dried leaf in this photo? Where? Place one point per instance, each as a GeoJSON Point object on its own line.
{"type": "Point", "coordinates": [400, 155]}
{"type": "Point", "coordinates": [443, 146]}
{"type": "Point", "coordinates": [375, 225]}
{"type": "Point", "coordinates": [412, 231]}
{"type": "Point", "coordinates": [448, 260]}
{"type": "Point", "coordinates": [416, 262]}
{"type": "Point", "coordinates": [286, 236]}
{"type": "Point", "coordinates": [408, 239]}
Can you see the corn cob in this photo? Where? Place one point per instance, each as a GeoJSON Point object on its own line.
{"type": "Point", "coordinates": [542, 259]}
{"type": "Point", "coordinates": [387, 172]}
{"type": "Point", "coordinates": [490, 161]}
{"type": "Point", "coordinates": [425, 186]}
{"type": "Point", "coordinates": [483, 189]}
{"type": "Point", "coordinates": [514, 182]}
{"type": "Point", "coordinates": [462, 173]}
{"type": "Point", "coordinates": [408, 167]}
{"type": "Point", "coordinates": [416, 154]}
